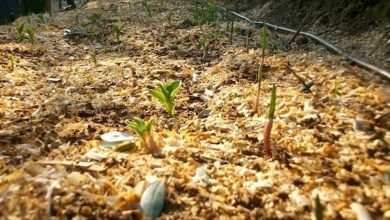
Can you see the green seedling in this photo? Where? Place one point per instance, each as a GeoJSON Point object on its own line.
{"type": "Point", "coordinates": [318, 209]}
{"type": "Point", "coordinates": [216, 35]}
{"type": "Point", "coordinates": [166, 94]}
{"type": "Point", "coordinates": [268, 125]}
{"type": "Point", "coordinates": [204, 44]}
{"type": "Point", "coordinates": [336, 88]}
{"type": "Point", "coordinates": [168, 18]}
{"type": "Point", "coordinates": [144, 131]}
{"type": "Point", "coordinates": [41, 18]}
{"type": "Point", "coordinates": [231, 29]}
{"type": "Point", "coordinates": [30, 31]}
{"type": "Point", "coordinates": [260, 72]}
{"type": "Point", "coordinates": [93, 55]}
{"type": "Point", "coordinates": [247, 41]}
{"type": "Point", "coordinates": [29, 17]}
{"type": "Point", "coordinates": [77, 18]}
{"type": "Point", "coordinates": [141, 127]}
{"type": "Point", "coordinates": [95, 18]}
{"type": "Point", "coordinates": [117, 29]}
{"type": "Point", "coordinates": [212, 12]}
{"type": "Point", "coordinates": [114, 8]}
{"type": "Point", "coordinates": [11, 59]}
{"type": "Point", "coordinates": [21, 30]}
{"type": "Point", "coordinates": [147, 7]}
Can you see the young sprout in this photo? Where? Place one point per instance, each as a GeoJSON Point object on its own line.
{"type": "Point", "coordinates": [21, 30]}
{"type": "Point", "coordinates": [29, 17]}
{"type": "Point", "coordinates": [147, 7]}
{"type": "Point", "coordinates": [268, 125]}
{"type": "Point", "coordinates": [93, 55]}
{"type": "Point", "coordinates": [95, 18]}
{"type": "Point", "coordinates": [41, 18]}
{"type": "Point", "coordinates": [204, 12]}
{"type": "Point", "coordinates": [318, 210]}
{"type": "Point", "coordinates": [77, 18]}
{"type": "Point", "coordinates": [114, 8]}
{"type": "Point", "coordinates": [165, 95]}
{"type": "Point", "coordinates": [336, 88]}
{"type": "Point", "coordinates": [247, 41]}
{"type": "Point", "coordinates": [11, 59]}
{"type": "Point", "coordinates": [216, 35]}
{"type": "Point", "coordinates": [231, 29]}
{"type": "Point", "coordinates": [198, 13]}
{"type": "Point", "coordinates": [117, 29]}
{"type": "Point", "coordinates": [143, 130]}
{"type": "Point", "coordinates": [30, 31]}
{"type": "Point", "coordinates": [169, 18]}
{"type": "Point", "coordinates": [204, 44]}
{"type": "Point", "coordinates": [260, 72]}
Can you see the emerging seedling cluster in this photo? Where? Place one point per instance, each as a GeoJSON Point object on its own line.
{"type": "Point", "coordinates": [204, 12]}
{"type": "Point", "coordinates": [117, 29]}
{"type": "Point", "coordinates": [95, 18]}
{"type": "Point", "coordinates": [30, 32]}
{"type": "Point", "coordinates": [27, 31]}
{"type": "Point", "coordinates": [41, 18]}
{"type": "Point", "coordinates": [165, 94]}
{"type": "Point", "coordinates": [168, 18]}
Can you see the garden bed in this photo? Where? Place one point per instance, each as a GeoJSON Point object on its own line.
{"type": "Point", "coordinates": [56, 101]}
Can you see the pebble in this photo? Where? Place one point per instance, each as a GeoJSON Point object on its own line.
{"type": "Point", "coordinates": [360, 211]}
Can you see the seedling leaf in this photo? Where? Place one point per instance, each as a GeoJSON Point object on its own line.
{"type": "Point", "coordinates": [21, 30]}
{"type": "Point", "coordinates": [158, 95]}
{"type": "Point", "coordinates": [140, 127]}
{"type": "Point", "coordinates": [173, 88]}
{"type": "Point", "coordinates": [30, 31]}
{"type": "Point", "coordinates": [166, 94]}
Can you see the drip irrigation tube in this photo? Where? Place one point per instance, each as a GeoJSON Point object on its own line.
{"type": "Point", "coordinates": [327, 44]}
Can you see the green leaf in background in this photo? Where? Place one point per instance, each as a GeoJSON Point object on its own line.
{"type": "Point", "coordinates": [152, 200]}
{"type": "Point", "coordinates": [165, 95]}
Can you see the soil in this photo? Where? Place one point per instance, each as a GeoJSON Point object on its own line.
{"type": "Point", "coordinates": [56, 102]}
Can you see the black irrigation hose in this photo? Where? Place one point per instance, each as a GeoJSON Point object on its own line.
{"type": "Point", "coordinates": [330, 46]}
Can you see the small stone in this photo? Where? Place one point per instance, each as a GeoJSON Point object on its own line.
{"type": "Point", "coordinates": [86, 210]}
{"type": "Point", "coordinates": [360, 211]}
{"type": "Point", "coordinates": [204, 114]}
{"type": "Point", "coordinates": [67, 199]}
